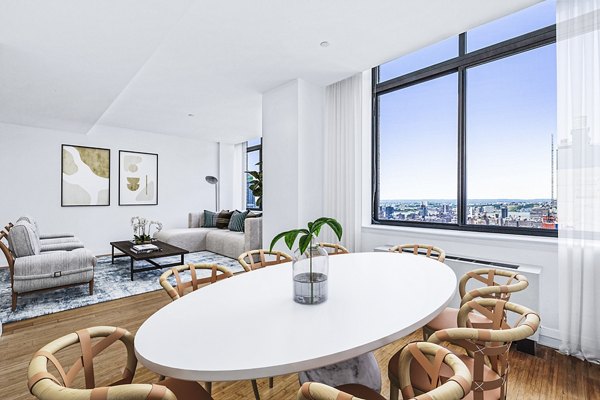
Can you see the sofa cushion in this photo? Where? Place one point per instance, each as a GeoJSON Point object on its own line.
{"type": "Point", "coordinates": [225, 242]}
{"type": "Point", "coordinates": [23, 240]}
{"type": "Point", "coordinates": [236, 223]}
{"type": "Point", "coordinates": [191, 239]}
{"type": "Point", "coordinates": [33, 222]}
{"type": "Point", "coordinates": [223, 219]}
{"type": "Point", "coordinates": [210, 219]}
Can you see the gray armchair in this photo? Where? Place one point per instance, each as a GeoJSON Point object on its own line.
{"type": "Point", "coordinates": [32, 269]}
{"type": "Point", "coordinates": [50, 241]}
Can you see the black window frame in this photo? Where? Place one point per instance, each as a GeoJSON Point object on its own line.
{"type": "Point", "coordinates": [529, 41]}
{"type": "Point", "coordinates": [250, 149]}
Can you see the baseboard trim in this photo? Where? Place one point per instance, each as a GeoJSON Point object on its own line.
{"type": "Point", "coordinates": [549, 337]}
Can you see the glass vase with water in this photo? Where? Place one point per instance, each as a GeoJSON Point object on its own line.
{"type": "Point", "coordinates": [310, 271]}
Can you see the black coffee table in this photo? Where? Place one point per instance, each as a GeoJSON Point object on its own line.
{"type": "Point", "coordinates": [165, 250]}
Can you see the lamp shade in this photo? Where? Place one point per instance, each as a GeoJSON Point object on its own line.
{"type": "Point", "coordinates": [212, 180]}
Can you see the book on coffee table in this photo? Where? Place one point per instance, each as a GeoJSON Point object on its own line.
{"type": "Point", "coordinates": [144, 248]}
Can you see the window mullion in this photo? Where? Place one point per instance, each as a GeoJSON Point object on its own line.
{"type": "Point", "coordinates": [462, 150]}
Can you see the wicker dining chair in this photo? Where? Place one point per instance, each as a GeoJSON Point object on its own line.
{"type": "Point", "coordinates": [217, 273]}
{"type": "Point", "coordinates": [46, 386]}
{"type": "Point", "coordinates": [256, 259]}
{"type": "Point", "coordinates": [421, 249]}
{"type": "Point", "coordinates": [453, 388]}
{"type": "Point", "coordinates": [514, 282]}
{"type": "Point", "coordinates": [333, 249]}
{"type": "Point", "coordinates": [487, 348]}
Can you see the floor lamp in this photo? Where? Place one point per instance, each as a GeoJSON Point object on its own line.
{"type": "Point", "coordinates": [214, 181]}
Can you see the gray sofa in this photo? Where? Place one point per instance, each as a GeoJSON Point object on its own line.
{"type": "Point", "coordinates": [35, 265]}
{"type": "Point", "coordinates": [220, 241]}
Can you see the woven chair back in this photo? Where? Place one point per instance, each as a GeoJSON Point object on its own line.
{"type": "Point", "coordinates": [334, 249]}
{"type": "Point", "coordinates": [489, 343]}
{"type": "Point", "coordinates": [499, 284]}
{"type": "Point", "coordinates": [422, 249]}
{"type": "Point", "coordinates": [320, 391]}
{"type": "Point", "coordinates": [431, 357]}
{"type": "Point", "coordinates": [256, 259]}
{"type": "Point", "coordinates": [46, 386]}
{"type": "Point", "coordinates": [217, 273]}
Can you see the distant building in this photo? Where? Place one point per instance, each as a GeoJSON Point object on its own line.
{"type": "Point", "coordinates": [389, 212]}
{"type": "Point", "coordinates": [423, 212]}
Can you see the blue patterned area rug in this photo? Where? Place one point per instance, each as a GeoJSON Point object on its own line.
{"type": "Point", "coordinates": [111, 282]}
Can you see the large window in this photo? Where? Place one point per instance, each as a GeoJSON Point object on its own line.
{"type": "Point", "coordinates": [253, 163]}
{"type": "Point", "coordinates": [468, 142]}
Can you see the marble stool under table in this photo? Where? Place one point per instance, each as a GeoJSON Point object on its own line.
{"type": "Point", "coordinates": [362, 369]}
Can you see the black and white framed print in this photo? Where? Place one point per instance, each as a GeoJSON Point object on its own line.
{"type": "Point", "coordinates": [85, 176]}
{"type": "Point", "coordinates": [138, 178]}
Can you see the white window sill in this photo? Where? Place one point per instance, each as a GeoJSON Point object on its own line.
{"type": "Point", "coordinates": [450, 234]}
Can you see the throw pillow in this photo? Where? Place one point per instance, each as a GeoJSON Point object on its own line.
{"type": "Point", "coordinates": [223, 219]}
{"type": "Point", "coordinates": [254, 214]}
{"type": "Point", "coordinates": [210, 219]}
{"type": "Point", "coordinates": [236, 223]}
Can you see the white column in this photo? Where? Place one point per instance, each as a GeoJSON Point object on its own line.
{"type": "Point", "coordinates": [292, 157]}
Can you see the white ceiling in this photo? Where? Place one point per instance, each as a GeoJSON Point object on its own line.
{"type": "Point", "coordinates": [147, 64]}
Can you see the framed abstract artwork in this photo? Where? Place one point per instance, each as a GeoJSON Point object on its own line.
{"type": "Point", "coordinates": [85, 176]}
{"type": "Point", "coordinates": [138, 178]}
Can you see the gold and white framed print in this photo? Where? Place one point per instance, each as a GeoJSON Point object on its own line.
{"type": "Point", "coordinates": [138, 178]}
{"type": "Point", "coordinates": [85, 176]}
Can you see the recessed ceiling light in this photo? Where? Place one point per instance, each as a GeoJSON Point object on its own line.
{"type": "Point", "coordinates": [324, 43]}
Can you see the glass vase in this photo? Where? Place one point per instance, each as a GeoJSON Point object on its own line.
{"type": "Point", "coordinates": [310, 271]}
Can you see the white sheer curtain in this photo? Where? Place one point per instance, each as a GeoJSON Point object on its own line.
{"type": "Point", "coordinates": [343, 125]}
{"type": "Point", "coordinates": [578, 47]}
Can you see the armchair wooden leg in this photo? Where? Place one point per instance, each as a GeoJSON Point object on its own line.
{"type": "Point", "coordinates": [91, 287]}
{"type": "Point", "coordinates": [14, 301]}
{"type": "Point", "coordinates": [255, 389]}
{"type": "Point", "coordinates": [208, 387]}
{"type": "Point", "coordinates": [271, 382]}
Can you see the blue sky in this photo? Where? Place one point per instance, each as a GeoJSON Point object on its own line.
{"type": "Point", "coordinates": [511, 115]}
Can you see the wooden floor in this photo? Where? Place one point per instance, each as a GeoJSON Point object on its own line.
{"type": "Point", "coordinates": [548, 376]}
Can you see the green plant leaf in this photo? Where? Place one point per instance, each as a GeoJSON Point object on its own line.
{"type": "Point", "coordinates": [318, 224]}
{"type": "Point", "coordinates": [276, 239]}
{"type": "Point", "coordinates": [336, 227]}
{"type": "Point", "coordinates": [254, 174]}
{"type": "Point", "coordinates": [290, 238]}
{"type": "Point", "coordinates": [304, 242]}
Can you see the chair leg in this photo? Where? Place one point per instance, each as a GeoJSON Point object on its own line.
{"type": "Point", "coordinates": [271, 382]}
{"type": "Point", "coordinates": [208, 386]}
{"type": "Point", "coordinates": [426, 333]}
{"type": "Point", "coordinates": [91, 284]}
{"type": "Point", "coordinates": [255, 389]}
{"type": "Point", "coordinates": [14, 301]}
{"type": "Point", "coordinates": [393, 392]}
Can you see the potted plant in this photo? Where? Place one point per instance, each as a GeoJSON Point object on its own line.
{"type": "Point", "coordinates": [255, 185]}
{"type": "Point", "coordinates": [310, 264]}
{"type": "Point", "coordinates": [141, 229]}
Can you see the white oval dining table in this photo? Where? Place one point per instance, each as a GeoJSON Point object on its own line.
{"type": "Point", "coordinates": [249, 327]}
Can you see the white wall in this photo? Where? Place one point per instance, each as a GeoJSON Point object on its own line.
{"type": "Point", "coordinates": [292, 157]}
{"type": "Point", "coordinates": [31, 159]}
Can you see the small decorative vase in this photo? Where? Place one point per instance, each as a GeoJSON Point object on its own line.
{"type": "Point", "coordinates": [310, 271]}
